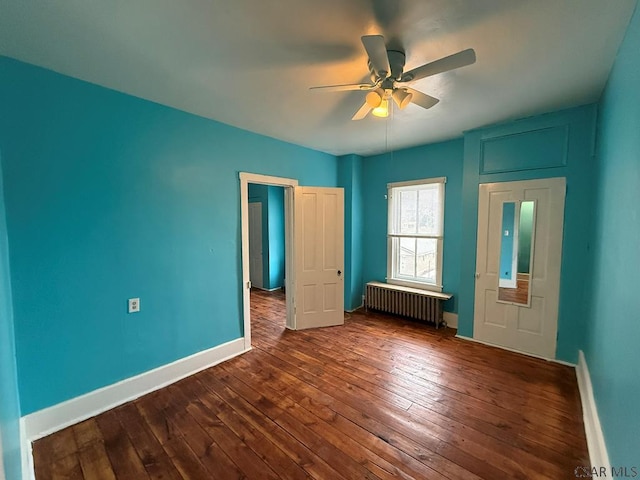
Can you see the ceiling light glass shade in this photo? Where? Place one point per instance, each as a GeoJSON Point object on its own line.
{"type": "Point", "coordinates": [402, 98]}
{"type": "Point", "coordinates": [374, 99]}
{"type": "Point", "coordinates": [382, 110]}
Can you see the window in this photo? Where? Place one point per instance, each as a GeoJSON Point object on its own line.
{"type": "Point", "coordinates": [415, 233]}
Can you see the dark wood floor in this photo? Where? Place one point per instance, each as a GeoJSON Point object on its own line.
{"type": "Point", "coordinates": [378, 398]}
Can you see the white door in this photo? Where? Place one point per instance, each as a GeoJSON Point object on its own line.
{"type": "Point", "coordinates": [530, 329]}
{"type": "Point", "coordinates": [255, 244]}
{"type": "Point", "coordinates": [319, 257]}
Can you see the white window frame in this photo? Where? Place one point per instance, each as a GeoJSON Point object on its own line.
{"type": "Point", "coordinates": [437, 287]}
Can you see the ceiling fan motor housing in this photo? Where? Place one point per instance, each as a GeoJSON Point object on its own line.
{"type": "Point", "coordinates": [396, 62]}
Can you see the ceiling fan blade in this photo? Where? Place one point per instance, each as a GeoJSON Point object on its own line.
{"type": "Point", "coordinates": [362, 112]}
{"type": "Point", "coordinates": [422, 99]}
{"type": "Point", "coordinates": [377, 51]}
{"type": "Point", "coordinates": [457, 60]}
{"type": "Point", "coordinates": [344, 88]}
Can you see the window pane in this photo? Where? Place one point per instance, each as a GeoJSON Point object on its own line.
{"type": "Point", "coordinates": [407, 257]}
{"type": "Point", "coordinates": [427, 259]}
{"type": "Point", "coordinates": [429, 210]}
{"type": "Point", "coordinates": [407, 210]}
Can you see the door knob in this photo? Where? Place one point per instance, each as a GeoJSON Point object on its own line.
{"type": "Point", "coordinates": [339, 272]}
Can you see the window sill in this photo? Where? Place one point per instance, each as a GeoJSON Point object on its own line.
{"type": "Point", "coordinates": [422, 286]}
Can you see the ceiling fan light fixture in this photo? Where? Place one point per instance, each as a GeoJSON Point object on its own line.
{"type": "Point", "coordinates": [402, 98]}
{"type": "Point", "coordinates": [374, 99]}
{"type": "Point", "coordinates": [382, 110]}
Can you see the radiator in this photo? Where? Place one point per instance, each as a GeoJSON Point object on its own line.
{"type": "Point", "coordinates": [408, 302]}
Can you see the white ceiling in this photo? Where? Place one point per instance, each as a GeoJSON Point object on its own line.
{"type": "Point", "coordinates": [250, 63]}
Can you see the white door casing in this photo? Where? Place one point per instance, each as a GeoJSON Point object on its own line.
{"type": "Point", "coordinates": [531, 329]}
{"type": "Point", "coordinates": [255, 244]}
{"type": "Point", "coordinates": [288, 184]}
{"type": "Point", "coordinates": [319, 256]}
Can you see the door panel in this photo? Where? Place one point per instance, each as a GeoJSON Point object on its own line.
{"type": "Point", "coordinates": [529, 329]}
{"type": "Point", "coordinates": [319, 256]}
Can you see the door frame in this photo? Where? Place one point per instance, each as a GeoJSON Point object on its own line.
{"type": "Point", "coordinates": [288, 183]}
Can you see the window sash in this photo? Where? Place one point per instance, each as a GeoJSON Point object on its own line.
{"type": "Point", "coordinates": [394, 236]}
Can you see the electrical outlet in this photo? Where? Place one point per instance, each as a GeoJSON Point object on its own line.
{"type": "Point", "coordinates": [134, 305]}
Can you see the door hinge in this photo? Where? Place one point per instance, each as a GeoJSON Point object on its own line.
{"type": "Point", "coordinates": [249, 284]}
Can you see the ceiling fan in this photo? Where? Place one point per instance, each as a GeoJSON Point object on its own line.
{"type": "Point", "coordinates": [388, 81]}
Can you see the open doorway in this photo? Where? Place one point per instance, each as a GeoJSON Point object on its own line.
{"type": "Point", "coordinates": [266, 237]}
{"type": "Point", "coordinates": [255, 189]}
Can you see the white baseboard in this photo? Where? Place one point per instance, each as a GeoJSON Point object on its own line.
{"type": "Point", "coordinates": [267, 289]}
{"type": "Point", "coordinates": [2, 477]}
{"type": "Point", "coordinates": [354, 309]}
{"type": "Point", "coordinates": [552, 360]}
{"type": "Point", "coordinates": [451, 319]}
{"type": "Point", "coordinates": [28, 472]}
{"type": "Point", "coordinates": [595, 438]}
{"type": "Point", "coordinates": [51, 419]}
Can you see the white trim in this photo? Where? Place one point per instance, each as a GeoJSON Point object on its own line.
{"type": "Point", "coordinates": [288, 183]}
{"type": "Point", "coordinates": [393, 213]}
{"type": "Point", "coordinates": [2, 476]}
{"type": "Point", "coordinates": [451, 319]}
{"type": "Point", "coordinates": [266, 289]}
{"type": "Point", "coordinates": [592, 427]}
{"type": "Point", "coordinates": [52, 419]}
{"type": "Point", "coordinates": [26, 453]}
{"type": "Point", "coordinates": [552, 360]}
{"type": "Point", "coordinates": [423, 181]}
{"type": "Point", "coordinates": [419, 285]}
{"type": "Point", "coordinates": [354, 309]}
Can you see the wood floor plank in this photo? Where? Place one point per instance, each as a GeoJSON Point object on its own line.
{"type": "Point", "coordinates": [428, 443]}
{"type": "Point", "coordinates": [210, 408]}
{"type": "Point", "coordinates": [124, 458]}
{"type": "Point", "coordinates": [246, 460]}
{"type": "Point", "coordinates": [424, 397]}
{"type": "Point", "coordinates": [66, 468]}
{"type": "Point", "coordinates": [191, 450]}
{"type": "Point", "coordinates": [301, 454]}
{"type": "Point", "coordinates": [154, 458]}
{"type": "Point", "coordinates": [380, 397]}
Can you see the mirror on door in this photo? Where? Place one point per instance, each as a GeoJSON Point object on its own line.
{"type": "Point", "coordinates": [516, 252]}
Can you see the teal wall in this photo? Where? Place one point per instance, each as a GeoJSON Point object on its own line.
{"type": "Point", "coordinates": [276, 237]}
{"type": "Point", "coordinates": [612, 347]}
{"type": "Point", "coordinates": [506, 245]}
{"type": "Point", "coordinates": [9, 401]}
{"type": "Point", "coordinates": [525, 231]}
{"type": "Point", "coordinates": [429, 161]}
{"type": "Point", "coordinates": [109, 197]}
{"type": "Point", "coordinates": [559, 144]}
{"type": "Point", "coordinates": [350, 178]}
{"type": "Point", "coordinates": [273, 252]}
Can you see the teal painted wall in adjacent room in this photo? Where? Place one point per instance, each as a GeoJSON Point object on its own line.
{"type": "Point", "coordinates": [110, 197]}
{"type": "Point", "coordinates": [563, 147]}
{"type": "Point", "coordinates": [350, 178]}
{"type": "Point", "coordinates": [273, 253]}
{"type": "Point", "coordinates": [612, 347]}
{"type": "Point", "coordinates": [9, 399]}
{"type": "Point", "coordinates": [276, 237]}
{"type": "Point", "coordinates": [429, 161]}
